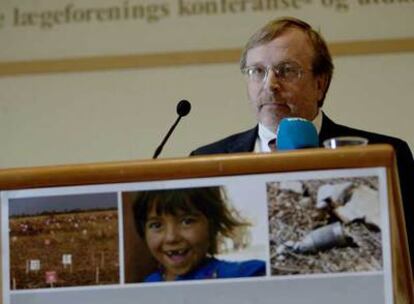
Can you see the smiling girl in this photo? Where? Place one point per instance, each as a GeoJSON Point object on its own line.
{"type": "Point", "coordinates": [182, 228]}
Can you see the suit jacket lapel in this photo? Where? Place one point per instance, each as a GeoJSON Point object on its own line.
{"type": "Point", "coordinates": [328, 129]}
{"type": "Point", "coordinates": [245, 142]}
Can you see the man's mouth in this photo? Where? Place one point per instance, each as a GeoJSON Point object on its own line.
{"type": "Point", "coordinates": [272, 104]}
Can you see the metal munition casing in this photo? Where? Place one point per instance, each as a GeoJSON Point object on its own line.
{"type": "Point", "coordinates": [322, 238]}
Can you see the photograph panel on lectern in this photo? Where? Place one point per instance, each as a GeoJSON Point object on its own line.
{"type": "Point", "coordinates": [247, 236]}
{"type": "Point", "coordinates": [63, 241]}
{"type": "Point", "coordinates": [328, 225]}
{"type": "Point", "coordinates": [196, 233]}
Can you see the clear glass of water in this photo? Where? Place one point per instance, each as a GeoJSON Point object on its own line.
{"type": "Point", "coordinates": [344, 141]}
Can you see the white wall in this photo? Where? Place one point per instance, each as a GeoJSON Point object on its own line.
{"type": "Point", "coordinates": [123, 115]}
{"type": "Point", "coordinates": [374, 93]}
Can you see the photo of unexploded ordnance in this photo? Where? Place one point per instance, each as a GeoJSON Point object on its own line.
{"type": "Point", "coordinates": [324, 225]}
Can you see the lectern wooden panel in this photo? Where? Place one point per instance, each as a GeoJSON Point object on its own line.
{"type": "Point", "coordinates": [324, 225]}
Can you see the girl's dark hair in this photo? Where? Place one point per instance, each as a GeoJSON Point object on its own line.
{"type": "Point", "coordinates": [209, 201]}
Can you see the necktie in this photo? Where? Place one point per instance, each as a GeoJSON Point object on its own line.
{"type": "Point", "coordinates": [272, 144]}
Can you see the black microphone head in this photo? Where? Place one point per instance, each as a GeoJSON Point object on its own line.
{"type": "Point", "coordinates": [183, 107]}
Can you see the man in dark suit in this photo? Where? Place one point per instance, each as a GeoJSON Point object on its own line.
{"type": "Point", "coordinates": [288, 70]}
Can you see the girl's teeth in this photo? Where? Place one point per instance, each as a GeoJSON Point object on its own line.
{"type": "Point", "coordinates": [175, 252]}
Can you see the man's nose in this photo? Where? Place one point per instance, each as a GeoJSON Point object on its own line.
{"type": "Point", "coordinates": [271, 82]}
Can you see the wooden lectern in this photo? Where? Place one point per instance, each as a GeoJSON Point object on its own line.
{"type": "Point", "coordinates": [68, 233]}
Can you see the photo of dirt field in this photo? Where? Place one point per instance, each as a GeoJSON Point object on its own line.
{"type": "Point", "coordinates": [324, 226]}
{"type": "Point", "coordinates": [63, 241]}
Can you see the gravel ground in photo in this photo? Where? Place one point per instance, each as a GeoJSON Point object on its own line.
{"type": "Point", "coordinates": [293, 215]}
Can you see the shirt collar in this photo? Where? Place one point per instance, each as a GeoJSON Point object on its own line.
{"type": "Point", "coordinates": [317, 121]}
{"type": "Point", "coordinates": [265, 134]}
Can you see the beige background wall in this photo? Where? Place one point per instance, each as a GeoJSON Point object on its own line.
{"type": "Point", "coordinates": [122, 115]}
{"type": "Point", "coordinates": [112, 115]}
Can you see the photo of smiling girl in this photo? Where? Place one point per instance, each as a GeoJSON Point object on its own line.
{"type": "Point", "coordinates": [183, 230]}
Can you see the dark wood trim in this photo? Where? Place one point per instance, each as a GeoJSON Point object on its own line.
{"type": "Point", "coordinates": [184, 58]}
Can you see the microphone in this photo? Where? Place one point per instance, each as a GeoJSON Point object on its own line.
{"type": "Point", "coordinates": [183, 108]}
{"type": "Point", "coordinates": [296, 133]}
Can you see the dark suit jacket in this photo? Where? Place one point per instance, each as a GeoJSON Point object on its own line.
{"type": "Point", "coordinates": [245, 141]}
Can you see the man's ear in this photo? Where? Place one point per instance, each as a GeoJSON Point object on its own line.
{"type": "Point", "coordinates": [322, 83]}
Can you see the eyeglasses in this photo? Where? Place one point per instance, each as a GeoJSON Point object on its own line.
{"type": "Point", "coordinates": [285, 71]}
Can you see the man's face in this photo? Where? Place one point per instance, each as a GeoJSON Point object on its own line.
{"type": "Point", "coordinates": [274, 98]}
